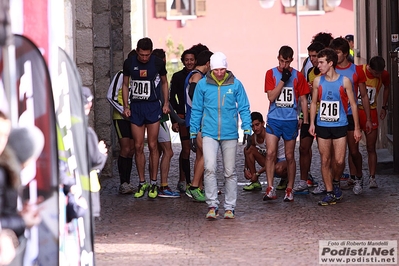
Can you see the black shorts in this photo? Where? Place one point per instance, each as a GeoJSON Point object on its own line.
{"type": "Point", "coordinates": [145, 113]}
{"type": "Point", "coordinates": [351, 123]}
{"type": "Point", "coordinates": [123, 128]}
{"type": "Point", "coordinates": [331, 132]}
{"type": "Point", "coordinates": [305, 130]}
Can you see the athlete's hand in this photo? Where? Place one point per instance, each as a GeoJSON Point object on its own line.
{"type": "Point", "coordinates": [165, 109]}
{"type": "Point", "coordinates": [312, 130]}
{"type": "Point", "coordinates": [383, 113]}
{"type": "Point", "coordinates": [193, 144]}
{"type": "Point", "coordinates": [300, 122]}
{"type": "Point", "coordinates": [369, 127]}
{"type": "Point", "coordinates": [247, 174]}
{"type": "Point", "coordinates": [175, 127]}
{"type": "Point", "coordinates": [357, 135]}
{"type": "Point", "coordinates": [286, 75]}
{"type": "Point", "coordinates": [126, 112]}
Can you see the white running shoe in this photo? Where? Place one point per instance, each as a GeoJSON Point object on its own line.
{"type": "Point", "coordinates": [358, 188]}
{"type": "Point", "coordinates": [372, 183]}
{"type": "Point", "coordinates": [320, 189]}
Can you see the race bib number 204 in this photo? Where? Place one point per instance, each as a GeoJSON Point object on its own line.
{"type": "Point", "coordinates": [141, 89]}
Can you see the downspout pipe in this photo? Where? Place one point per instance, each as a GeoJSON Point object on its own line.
{"type": "Point", "coordinates": [394, 83]}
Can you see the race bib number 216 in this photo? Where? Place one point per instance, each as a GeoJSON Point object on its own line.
{"type": "Point", "coordinates": [329, 111]}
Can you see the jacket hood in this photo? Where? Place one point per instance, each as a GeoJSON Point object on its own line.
{"type": "Point", "coordinates": [229, 80]}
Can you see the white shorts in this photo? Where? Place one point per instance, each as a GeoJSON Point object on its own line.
{"type": "Point", "coordinates": [164, 134]}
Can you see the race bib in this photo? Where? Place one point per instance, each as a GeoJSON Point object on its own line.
{"type": "Point", "coordinates": [329, 111]}
{"type": "Point", "coordinates": [140, 89]}
{"type": "Point", "coordinates": [371, 92]}
{"type": "Point", "coordinates": [286, 97]}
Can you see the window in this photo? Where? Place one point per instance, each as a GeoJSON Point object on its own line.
{"type": "Point", "coordinates": [179, 9]}
{"type": "Point", "coordinates": [308, 6]}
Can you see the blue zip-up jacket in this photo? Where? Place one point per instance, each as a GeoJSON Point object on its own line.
{"type": "Point", "coordinates": [215, 108]}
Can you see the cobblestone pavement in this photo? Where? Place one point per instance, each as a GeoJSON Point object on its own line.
{"type": "Point", "coordinates": [175, 232]}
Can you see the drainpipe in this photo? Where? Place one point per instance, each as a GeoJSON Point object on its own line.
{"type": "Point", "coordinates": [394, 108]}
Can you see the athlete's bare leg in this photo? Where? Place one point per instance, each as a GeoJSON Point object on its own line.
{"type": "Point", "coordinates": [325, 149]}
{"type": "Point", "coordinates": [355, 166]}
{"type": "Point", "coordinates": [291, 164]}
{"type": "Point", "coordinates": [270, 160]}
{"type": "Point", "coordinates": [371, 151]}
{"type": "Point", "coordinates": [199, 164]}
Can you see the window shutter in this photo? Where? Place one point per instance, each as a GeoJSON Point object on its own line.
{"type": "Point", "coordinates": [200, 7]}
{"type": "Point", "coordinates": [160, 8]}
{"type": "Point", "coordinates": [290, 9]}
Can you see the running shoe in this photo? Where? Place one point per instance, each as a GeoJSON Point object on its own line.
{"type": "Point", "coordinates": [253, 186]}
{"type": "Point", "coordinates": [301, 188]}
{"type": "Point", "coordinates": [181, 186]}
{"type": "Point", "coordinates": [166, 192]}
{"type": "Point", "coordinates": [337, 192]}
{"type": "Point", "coordinates": [188, 193]}
{"type": "Point", "coordinates": [350, 182]}
{"type": "Point", "coordinates": [141, 190]}
{"type": "Point", "coordinates": [289, 196]}
{"type": "Point", "coordinates": [283, 184]}
{"type": "Point", "coordinates": [197, 194]}
{"type": "Point", "coordinates": [270, 194]}
{"type": "Point", "coordinates": [125, 188]}
{"type": "Point", "coordinates": [358, 187]}
{"type": "Point", "coordinates": [311, 182]}
{"type": "Point", "coordinates": [329, 199]}
{"type": "Point", "coordinates": [320, 189]}
{"type": "Point", "coordinates": [372, 183]}
{"type": "Point", "coordinates": [345, 177]}
{"type": "Point", "coordinates": [229, 214]}
{"type": "Point", "coordinates": [153, 191]}
{"type": "Point", "coordinates": [212, 213]}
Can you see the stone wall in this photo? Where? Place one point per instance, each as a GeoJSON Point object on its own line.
{"type": "Point", "coordinates": [102, 41]}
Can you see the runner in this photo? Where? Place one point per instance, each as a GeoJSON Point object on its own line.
{"type": "Point", "coordinates": [145, 108]}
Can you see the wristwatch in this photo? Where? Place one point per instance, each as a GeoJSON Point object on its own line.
{"type": "Point", "coordinates": [385, 107]}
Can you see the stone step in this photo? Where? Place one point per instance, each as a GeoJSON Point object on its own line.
{"type": "Point", "coordinates": [384, 161]}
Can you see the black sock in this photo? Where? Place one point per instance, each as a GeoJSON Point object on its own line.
{"type": "Point", "coordinates": [192, 187]}
{"type": "Point", "coordinates": [121, 169]}
{"type": "Point", "coordinates": [124, 167]}
{"type": "Point", "coordinates": [336, 183]}
{"type": "Point", "coordinates": [353, 177]}
{"type": "Point", "coordinates": [129, 163]}
{"type": "Point", "coordinates": [186, 169]}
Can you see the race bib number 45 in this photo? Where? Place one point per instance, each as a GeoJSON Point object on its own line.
{"type": "Point", "coordinates": [286, 97]}
{"type": "Point", "coordinates": [141, 89]}
{"type": "Point", "coordinates": [329, 111]}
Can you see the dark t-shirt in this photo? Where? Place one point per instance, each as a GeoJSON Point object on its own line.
{"type": "Point", "coordinates": [177, 91]}
{"type": "Point", "coordinates": [144, 78]}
